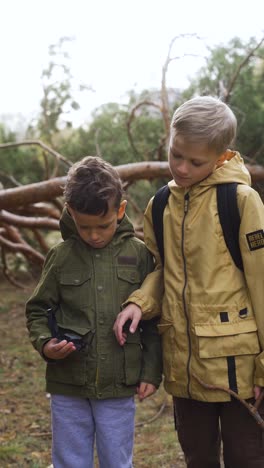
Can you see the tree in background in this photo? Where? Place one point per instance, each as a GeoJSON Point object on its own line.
{"type": "Point", "coordinates": [18, 165]}
{"type": "Point", "coordinates": [235, 73]}
{"type": "Point", "coordinates": [58, 94]}
{"type": "Point", "coordinates": [133, 137]}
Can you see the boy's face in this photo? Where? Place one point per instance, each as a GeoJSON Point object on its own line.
{"type": "Point", "coordinates": [98, 230]}
{"type": "Point", "coordinates": [190, 163]}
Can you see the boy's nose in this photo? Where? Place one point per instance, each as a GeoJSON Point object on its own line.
{"type": "Point", "coordinates": [183, 168]}
{"type": "Point", "coordinates": [93, 236]}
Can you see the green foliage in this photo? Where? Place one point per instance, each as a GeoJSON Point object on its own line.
{"type": "Point", "coordinates": [9, 451]}
{"type": "Point", "coordinates": [247, 95]}
{"type": "Point", "coordinates": [58, 99]}
{"type": "Point", "coordinates": [6, 135]}
{"type": "Point", "coordinates": [19, 165]}
{"type": "Point", "coordinates": [107, 135]}
{"type": "Point", "coordinates": [138, 195]}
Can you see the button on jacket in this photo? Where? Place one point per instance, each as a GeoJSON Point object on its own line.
{"type": "Point", "coordinates": [212, 323]}
{"type": "Point", "coordinates": [86, 287]}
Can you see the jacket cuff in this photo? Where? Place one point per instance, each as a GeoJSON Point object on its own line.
{"type": "Point", "coordinates": [151, 377]}
{"type": "Point", "coordinates": [39, 344]}
{"type": "Point", "coordinates": [147, 305]}
{"type": "Point", "coordinates": [259, 382]}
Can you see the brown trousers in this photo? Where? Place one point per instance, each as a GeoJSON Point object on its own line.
{"type": "Point", "coordinates": [202, 425]}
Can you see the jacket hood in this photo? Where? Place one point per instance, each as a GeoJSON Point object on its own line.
{"type": "Point", "coordinates": [233, 170]}
{"type": "Point", "coordinates": [68, 228]}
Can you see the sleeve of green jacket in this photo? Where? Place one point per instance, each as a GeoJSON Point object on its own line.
{"type": "Point", "coordinates": [151, 370]}
{"type": "Point", "coordinates": [252, 249]}
{"type": "Point", "coordinates": [44, 297]}
{"type": "Point", "coordinates": [149, 296]}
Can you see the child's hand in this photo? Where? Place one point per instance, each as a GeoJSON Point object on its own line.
{"type": "Point", "coordinates": [145, 389]}
{"type": "Point", "coordinates": [55, 349]}
{"type": "Point", "coordinates": [131, 311]}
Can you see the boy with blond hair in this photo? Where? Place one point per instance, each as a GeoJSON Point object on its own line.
{"type": "Point", "coordinates": [212, 322]}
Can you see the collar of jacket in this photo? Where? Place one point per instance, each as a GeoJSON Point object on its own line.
{"type": "Point", "coordinates": [68, 228]}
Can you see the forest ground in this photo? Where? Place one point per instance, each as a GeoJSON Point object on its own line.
{"type": "Point", "coordinates": [25, 436]}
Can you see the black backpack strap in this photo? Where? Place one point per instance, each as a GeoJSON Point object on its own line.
{"type": "Point", "coordinates": [52, 322]}
{"type": "Point", "coordinates": [158, 206]}
{"type": "Point", "coordinates": [230, 219]}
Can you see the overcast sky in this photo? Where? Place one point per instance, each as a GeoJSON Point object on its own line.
{"type": "Point", "coordinates": [119, 44]}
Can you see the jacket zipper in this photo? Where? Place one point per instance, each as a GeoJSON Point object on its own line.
{"type": "Point", "coordinates": [186, 207]}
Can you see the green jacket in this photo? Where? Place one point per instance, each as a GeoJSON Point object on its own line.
{"type": "Point", "coordinates": [88, 286]}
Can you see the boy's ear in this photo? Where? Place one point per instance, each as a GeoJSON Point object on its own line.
{"type": "Point", "coordinates": [224, 157]}
{"type": "Point", "coordinates": [121, 210]}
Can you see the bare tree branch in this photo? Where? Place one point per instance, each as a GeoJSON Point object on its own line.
{"type": "Point", "coordinates": [97, 146]}
{"type": "Point", "coordinates": [38, 209]}
{"type": "Point", "coordinates": [26, 221]}
{"type": "Point", "coordinates": [41, 241]}
{"type": "Point", "coordinates": [10, 178]}
{"type": "Point", "coordinates": [164, 90]}
{"type": "Point", "coordinates": [32, 193]}
{"type": "Point", "coordinates": [50, 189]}
{"type": "Point", "coordinates": [253, 409]}
{"type": "Point", "coordinates": [226, 93]}
{"type": "Point", "coordinates": [23, 248]}
{"type": "Point", "coordinates": [132, 116]}
{"type": "Point", "coordinates": [7, 274]}
{"type": "Point", "coordinates": [37, 143]}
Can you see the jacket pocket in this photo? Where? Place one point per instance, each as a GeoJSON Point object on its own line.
{"type": "Point", "coordinates": [129, 280]}
{"type": "Point", "coordinates": [75, 288]}
{"type": "Point", "coordinates": [133, 359]}
{"type": "Point", "coordinates": [227, 339]}
{"type": "Point", "coordinates": [170, 352]}
{"type": "Point", "coordinates": [164, 327]}
{"type": "Point", "coordinates": [71, 370]}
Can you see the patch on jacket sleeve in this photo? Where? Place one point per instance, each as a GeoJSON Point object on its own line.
{"type": "Point", "coordinates": [125, 260]}
{"type": "Point", "coordinates": [255, 239]}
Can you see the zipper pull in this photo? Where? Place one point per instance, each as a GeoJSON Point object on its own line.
{"type": "Point", "coordinates": [186, 202]}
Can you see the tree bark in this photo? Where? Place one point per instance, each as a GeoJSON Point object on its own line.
{"type": "Point", "coordinates": [18, 197]}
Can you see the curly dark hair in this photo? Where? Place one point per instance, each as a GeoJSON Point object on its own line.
{"type": "Point", "coordinates": [91, 184]}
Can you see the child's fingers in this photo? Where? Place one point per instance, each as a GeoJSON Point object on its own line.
{"type": "Point", "coordinates": [118, 327]}
{"type": "Point", "coordinates": [144, 390]}
{"type": "Point", "coordinates": [63, 349]}
{"type": "Point", "coordinates": [134, 324]}
{"type": "Point", "coordinates": [131, 312]}
{"type": "Point", "coordinates": [55, 349]}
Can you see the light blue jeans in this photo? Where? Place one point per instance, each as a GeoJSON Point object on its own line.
{"type": "Point", "coordinates": [78, 422]}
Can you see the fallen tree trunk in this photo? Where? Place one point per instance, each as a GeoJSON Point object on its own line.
{"type": "Point", "coordinates": [25, 211]}
{"type": "Point", "coordinates": [48, 190]}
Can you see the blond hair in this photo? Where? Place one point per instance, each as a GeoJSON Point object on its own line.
{"type": "Point", "coordinates": [207, 120]}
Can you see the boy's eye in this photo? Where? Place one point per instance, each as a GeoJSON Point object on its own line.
{"type": "Point", "coordinates": [176, 155]}
{"type": "Point", "coordinates": [196, 163]}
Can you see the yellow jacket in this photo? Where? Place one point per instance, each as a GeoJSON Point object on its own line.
{"type": "Point", "coordinates": [212, 320]}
